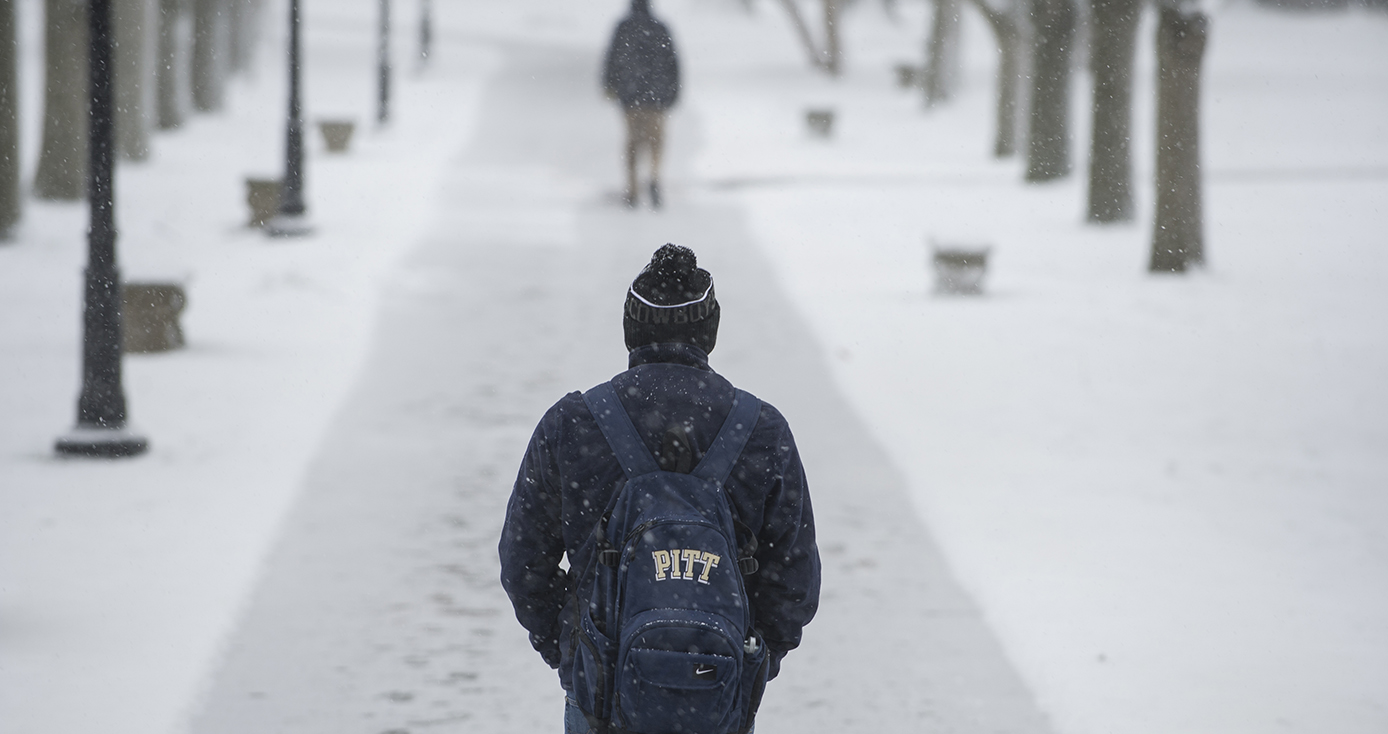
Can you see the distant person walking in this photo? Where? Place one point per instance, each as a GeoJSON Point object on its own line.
{"type": "Point", "coordinates": [643, 73]}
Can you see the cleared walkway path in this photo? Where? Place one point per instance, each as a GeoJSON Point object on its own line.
{"type": "Point", "coordinates": [380, 610]}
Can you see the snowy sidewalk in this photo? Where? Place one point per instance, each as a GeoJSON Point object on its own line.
{"type": "Point", "coordinates": [380, 609]}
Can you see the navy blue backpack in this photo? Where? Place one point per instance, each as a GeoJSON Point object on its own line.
{"type": "Point", "coordinates": [664, 636]}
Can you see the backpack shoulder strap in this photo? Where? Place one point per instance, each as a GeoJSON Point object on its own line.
{"type": "Point", "coordinates": [717, 464]}
{"type": "Point", "coordinates": [619, 431]}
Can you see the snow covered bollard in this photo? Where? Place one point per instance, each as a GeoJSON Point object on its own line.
{"type": "Point", "coordinates": [337, 134]}
{"type": "Point", "coordinates": [959, 270]}
{"type": "Point", "coordinates": [820, 122]}
{"type": "Point", "coordinates": [263, 197]}
{"type": "Point", "coordinates": [149, 316]}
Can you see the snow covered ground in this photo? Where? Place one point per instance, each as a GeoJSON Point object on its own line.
{"type": "Point", "coordinates": [1166, 494]}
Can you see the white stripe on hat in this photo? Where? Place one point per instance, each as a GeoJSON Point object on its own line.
{"type": "Point", "coordinates": [632, 291]}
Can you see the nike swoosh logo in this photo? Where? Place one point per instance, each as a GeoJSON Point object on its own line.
{"type": "Point", "coordinates": [704, 671]}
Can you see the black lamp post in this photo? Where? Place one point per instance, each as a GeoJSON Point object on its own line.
{"type": "Point", "coordinates": [383, 66]}
{"type": "Point", "coordinates": [100, 429]}
{"type": "Point", "coordinates": [291, 220]}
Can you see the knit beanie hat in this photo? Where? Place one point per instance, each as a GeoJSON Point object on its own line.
{"type": "Point", "coordinates": [671, 300]}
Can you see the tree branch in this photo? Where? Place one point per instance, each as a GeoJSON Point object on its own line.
{"type": "Point", "coordinates": [998, 19]}
{"type": "Point", "coordinates": [818, 58]}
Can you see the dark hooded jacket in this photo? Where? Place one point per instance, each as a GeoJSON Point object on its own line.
{"type": "Point", "coordinates": [569, 474]}
{"type": "Point", "coordinates": [641, 68]}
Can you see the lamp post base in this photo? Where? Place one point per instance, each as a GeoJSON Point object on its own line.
{"type": "Point", "coordinates": [110, 443]}
{"type": "Point", "coordinates": [288, 225]}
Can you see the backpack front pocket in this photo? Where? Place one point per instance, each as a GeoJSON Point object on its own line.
{"type": "Point", "coordinates": [678, 672]}
{"type": "Point", "coordinates": [677, 692]}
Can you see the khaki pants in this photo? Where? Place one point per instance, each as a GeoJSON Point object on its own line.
{"type": "Point", "coordinates": [645, 129]}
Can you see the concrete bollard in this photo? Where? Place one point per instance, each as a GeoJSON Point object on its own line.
{"type": "Point", "coordinates": [263, 197]}
{"type": "Point", "coordinates": [149, 316]}
{"type": "Point", "coordinates": [959, 270]}
{"type": "Point", "coordinates": [820, 122]}
{"type": "Point", "coordinates": [337, 134]}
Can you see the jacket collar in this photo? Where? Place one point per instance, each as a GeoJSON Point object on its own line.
{"type": "Point", "coordinates": [669, 353]}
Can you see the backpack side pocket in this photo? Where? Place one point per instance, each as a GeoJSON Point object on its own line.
{"type": "Point", "coordinates": [592, 669]}
{"type": "Point", "coordinates": [755, 667]}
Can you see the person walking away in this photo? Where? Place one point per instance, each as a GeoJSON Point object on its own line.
{"type": "Point", "coordinates": [643, 73]}
{"type": "Point", "coordinates": [682, 508]}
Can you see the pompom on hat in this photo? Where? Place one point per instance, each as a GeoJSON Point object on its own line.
{"type": "Point", "coordinates": [671, 300]}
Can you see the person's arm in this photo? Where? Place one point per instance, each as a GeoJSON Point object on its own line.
{"type": "Point", "coordinates": [532, 543]}
{"type": "Point", "coordinates": [674, 72]}
{"type": "Point", "coordinates": [611, 63]}
{"type": "Point", "coordinates": [785, 591]}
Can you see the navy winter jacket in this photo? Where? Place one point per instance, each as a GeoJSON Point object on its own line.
{"type": "Point", "coordinates": [641, 67]}
{"type": "Point", "coordinates": [569, 475]}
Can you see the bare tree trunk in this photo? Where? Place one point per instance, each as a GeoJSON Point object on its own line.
{"type": "Point", "coordinates": [169, 66]}
{"type": "Point", "coordinates": [833, 51]}
{"type": "Point", "coordinates": [132, 68]}
{"type": "Point", "coordinates": [1007, 31]}
{"type": "Point", "coordinates": [9, 120]}
{"type": "Point", "coordinates": [1113, 26]}
{"type": "Point", "coordinates": [942, 53]}
{"type": "Point", "coordinates": [209, 54]}
{"type": "Point", "coordinates": [238, 12]}
{"type": "Point", "coordinates": [1048, 144]}
{"type": "Point", "coordinates": [1178, 232]}
{"type": "Point", "coordinates": [62, 172]}
{"type": "Point", "coordinates": [383, 69]}
{"type": "Point", "coordinates": [1011, 73]}
{"type": "Point", "coordinates": [244, 32]}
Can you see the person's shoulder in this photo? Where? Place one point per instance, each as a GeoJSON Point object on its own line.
{"type": "Point", "coordinates": [773, 417]}
{"type": "Point", "coordinates": [771, 436]}
{"type": "Point", "coordinates": [565, 410]}
{"type": "Point", "coordinates": [770, 417]}
{"type": "Point", "coordinates": [623, 30]}
{"type": "Point", "coordinates": [660, 28]}
{"type": "Point", "coordinates": [571, 402]}
{"type": "Point", "coordinates": [631, 24]}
